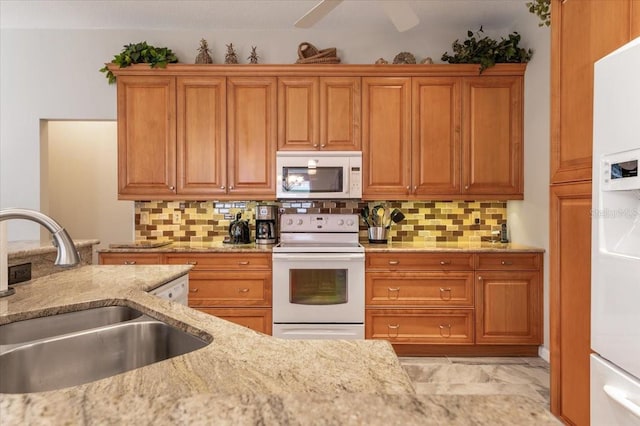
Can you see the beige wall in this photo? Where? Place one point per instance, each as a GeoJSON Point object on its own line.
{"type": "Point", "coordinates": [79, 181]}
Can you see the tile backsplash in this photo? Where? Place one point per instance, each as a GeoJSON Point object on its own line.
{"type": "Point", "coordinates": [208, 221]}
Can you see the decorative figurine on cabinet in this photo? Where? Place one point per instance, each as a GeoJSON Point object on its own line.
{"type": "Point", "coordinates": [204, 54]}
{"type": "Point", "coordinates": [230, 57]}
{"type": "Point", "coordinates": [253, 58]}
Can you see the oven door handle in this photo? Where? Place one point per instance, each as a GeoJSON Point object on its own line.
{"type": "Point", "coordinates": [319, 257]}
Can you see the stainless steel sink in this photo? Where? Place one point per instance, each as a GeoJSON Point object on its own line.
{"type": "Point", "coordinates": [84, 356]}
{"type": "Point", "coordinates": [55, 325]}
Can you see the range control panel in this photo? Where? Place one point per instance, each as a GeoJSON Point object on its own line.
{"type": "Point", "coordinates": [319, 223]}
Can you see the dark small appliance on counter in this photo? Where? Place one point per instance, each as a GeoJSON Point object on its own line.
{"type": "Point", "coordinates": [239, 231]}
{"type": "Point", "coordinates": [266, 224]}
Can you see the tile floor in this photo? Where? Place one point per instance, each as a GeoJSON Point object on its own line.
{"type": "Point", "coordinates": [484, 391]}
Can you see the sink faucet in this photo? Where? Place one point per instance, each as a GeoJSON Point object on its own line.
{"type": "Point", "coordinates": [67, 253]}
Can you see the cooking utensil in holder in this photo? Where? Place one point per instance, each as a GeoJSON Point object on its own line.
{"type": "Point", "coordinates": [377, 234]}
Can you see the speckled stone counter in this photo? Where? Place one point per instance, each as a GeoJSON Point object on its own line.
{"type": "Point", "coordinates": [42, 255]}
{"type": "Point", "coordinates": [203, 247]}
{"type": "Point", "coordinates": [241, 377]}
{"type": "Point", "coordinates": [426, 246]}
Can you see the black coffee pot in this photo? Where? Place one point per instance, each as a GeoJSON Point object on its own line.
{"type": "Point", "coordinates": [239, 231]}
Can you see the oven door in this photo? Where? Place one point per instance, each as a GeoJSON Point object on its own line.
{"type": "Point", "coordinates": [318, 288]}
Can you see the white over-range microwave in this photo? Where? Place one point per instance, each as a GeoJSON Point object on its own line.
{"type": "Point", "coordinates": [319, 174]}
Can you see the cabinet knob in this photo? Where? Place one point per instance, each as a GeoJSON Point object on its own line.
{"type": "Point", "coordinates": [395, 291]}
{"type": "Point", "coordinates": [230, 186]}
{"type": "Point", "coordinates": [315, 145]}
{"type": "Point", "coordinates": [479, 278]}
{"type": "Point", "coordinates": [222, 187]}
{"type": "Point", "coordinates": [172, 187]}
{"type": "Point", "coordinates": [129, 262]}
{"type": "Point", "coordinates": [466, 187]}
{"type": "Point", "coordinates": [415, 188]}
{"type": "Point", "coordinates": [445, 262]}
{"type": "Point", "coordinates": [322, 145]}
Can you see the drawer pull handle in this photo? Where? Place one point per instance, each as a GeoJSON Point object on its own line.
{"type": "Point", "coordinates": [192, 262]}
{"type": "Point", "coordinates": [243, 290]}
{"type": "Point", "coordinates": [243, 262]}
{"type": "Point", "coordinates": [445, 293]}
{"type": "Point", "coordinates": [446, 327]}
{"type": "Point", "coordinates": [193, 290]}
{"type": "Point", "coordinates": [129, 262]}
{"type": "Point", "coordinates": [394, 327]}
{"type": "Point", "coordinates": [394, 262]}
{"type": "Point", "coordinates": [395, 291]}
{"type": "Point", "coordinates": [506, 262]}
{"type": "Point", "coordinates": [445, 262]}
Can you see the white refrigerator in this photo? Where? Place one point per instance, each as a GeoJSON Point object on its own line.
{"type": "Point", "coordinates": [615, 249]}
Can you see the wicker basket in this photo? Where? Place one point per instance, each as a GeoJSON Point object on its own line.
{"type": "Point", "coordinates": [309, 54]}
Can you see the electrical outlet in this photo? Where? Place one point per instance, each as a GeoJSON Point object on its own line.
{"type": "Point", "coordinates": [177, 218]}
{"type": "Point", "coordinates": [19, 273]}
{"type": "Point", "coordinates": [144, 218]}
{"type": "Point", "coordinates": [476, 217]}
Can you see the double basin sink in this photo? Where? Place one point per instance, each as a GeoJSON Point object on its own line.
{"type": "Point", "coordinates": [70, 349]}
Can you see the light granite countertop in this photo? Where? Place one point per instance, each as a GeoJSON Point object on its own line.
{"type": "Point", "coordinates": [36, 247]}
{"type": "Point", "coordinates": [427, 247]}
{"type": "Point", "coordinates": [241, 377]}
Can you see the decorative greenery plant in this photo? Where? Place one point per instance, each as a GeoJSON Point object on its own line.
{"type": "Point", "coordinates": [487, 52]}
{"type": "Point", "coordinates": [140, 53]}
{"type": "Point", "coordinates": [542, 9]}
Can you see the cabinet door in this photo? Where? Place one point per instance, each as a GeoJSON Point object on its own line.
{"type": "Point", "coordinates": [508, 308]}
{"type": "Point", "coordinates": [340, 114]}
{"type": "Point", "coordinates": [251, 136]}
{"type": "Point", "coordinates": [298, 126]}
{"type": "Point", "coordinates": [635, 19]}
{"type": "Point", "coordinates": [386, 137]}
{"type": "Point", "coordinates": [146, 137]}
{"type": "Point", "coordinates": [598, 27]}
{"type": "Point", "coordinates": [202, 136]}
{"type": "Point", "coordinates": [570, 300]}
{"type": "Point", "coordinates": [492, 111]}
{"type": "Point", "coordinates": [435, 136]}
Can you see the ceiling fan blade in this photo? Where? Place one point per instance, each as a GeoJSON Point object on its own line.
{"type": "Point", "coordinates": [401, 14]}
{"type": "Point", "coordinates": [318, 12]}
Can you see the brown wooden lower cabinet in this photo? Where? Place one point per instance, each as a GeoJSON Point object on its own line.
{"type": "Point", "coordinates": [232, 286]}
{"type": "Point", "coordinates": [258, 319]}
{"type": "Point", "coordinates": [456, 304]}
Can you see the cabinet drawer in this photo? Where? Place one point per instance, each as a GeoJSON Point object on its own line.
{"type": "Point", "coordinates": [258, 319]}
{"type": "Point", "coordinates": [420, 325]}
{"type": "Point", "coordinates": [508, 261]}
{"type": "Point", "coordinates": [130, 258]}
{"type": "Point", "coordinates": [229, 289]}
{"type": "Point", "coordinates": [420, 261]}
{"type": "Point", "coordinates": [220, 261]}
{"type": "Point", "coordinates": [419, 289]}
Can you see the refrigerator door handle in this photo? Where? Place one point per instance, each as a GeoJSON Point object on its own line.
{"type": "Point", "coordinates": [620, 397]}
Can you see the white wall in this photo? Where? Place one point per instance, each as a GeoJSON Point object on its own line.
{"type": "Point", "coordinates": [53, 74]}
{"type": "Point", "coordinates": [80, 181]}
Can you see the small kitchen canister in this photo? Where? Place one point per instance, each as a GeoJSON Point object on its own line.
{"type": "Point", "coordinates": [377, 234]}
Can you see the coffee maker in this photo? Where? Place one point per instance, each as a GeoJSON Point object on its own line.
{"type": "Point", "coordinates": [266, 224]}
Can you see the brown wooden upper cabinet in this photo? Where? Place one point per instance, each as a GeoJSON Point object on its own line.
{"type": "Point", "coordinates": [319, 113]}
{"type": "Point", "coordinates": [205, 137]}
{"type": "Point", "coordinates": [146, 137]}
{"type": "Point", "coordinates": [251, 136]}
{"type": "Point", "coordinates": [426, 137]}
{"type": "Point", "coordinates": [492, 114]}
